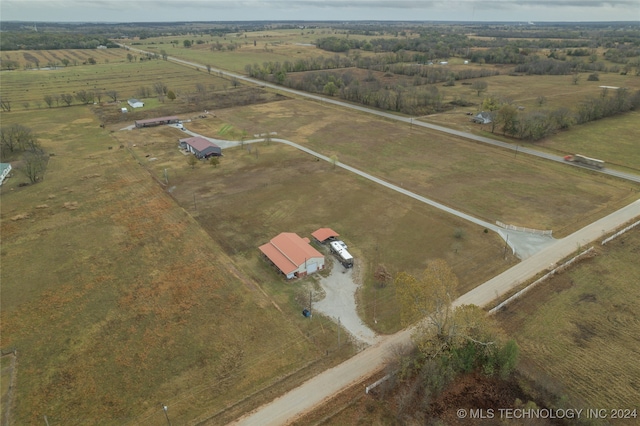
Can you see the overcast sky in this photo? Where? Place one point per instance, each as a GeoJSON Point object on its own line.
{"type": "Point", "coordinates": [312, 10]}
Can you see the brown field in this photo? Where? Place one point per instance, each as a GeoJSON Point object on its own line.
{"type": "Point", "coordinates": [578, 332]}
{"type": "Point", "coordinates": [116, 299]}
{"type": "Point", "coordinates": [34, 59]}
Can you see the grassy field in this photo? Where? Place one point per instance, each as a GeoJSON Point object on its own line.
{"type": "Point", "coordinates": [116, 300]}
{"type": "Point", "coordinates": [488, 183]}
{"type": "Point", "coordinates": [578, 332]}
{"type": "Point", "coordinates": [126, 78]}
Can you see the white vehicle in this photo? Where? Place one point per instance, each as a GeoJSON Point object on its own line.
{"type": "Point", "coordinates": [339, 248]}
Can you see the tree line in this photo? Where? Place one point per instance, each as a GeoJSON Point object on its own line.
{"type": "Point", "coordinates": [536, 125]}
{"type": "Point", "coordinates": [51, 41]}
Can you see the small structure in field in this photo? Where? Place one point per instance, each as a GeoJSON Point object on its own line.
{"type": "Point", "coordinates": [134, 103]}
{"type": "Point", "coordinates": [482, 118]}
{"type": "Point", "coordinates": [293, 255]}
{"type": "Point", "coordinates": [200, 147]}
{"type": "Point", "coordinates": [5, 169]}
{"type": "Point", "coordinates": [324, 235]}
{"type": "Point", "coordinates": [150, 122]}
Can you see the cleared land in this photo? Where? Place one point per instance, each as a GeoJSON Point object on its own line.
{"type": "Point", "coordinates": [578, 332]}
{"type": "Point", "coordinates": [117, 300]}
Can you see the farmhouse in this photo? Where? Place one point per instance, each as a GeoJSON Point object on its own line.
{"type": "Point", "coordinates": [482, 118]}
{"type": "Point", "coordinates": [134, 103]}
{"type": "Point", "coordinates": [5, 168]}
{"type": "Point", "coordinates": [200, 147]}
{"type": "Point", "coordinates": [323, 235]}
{"type": "Point", "coordinates": [293, 255]}
{"type": "Point", "coordinates": [150, 122]}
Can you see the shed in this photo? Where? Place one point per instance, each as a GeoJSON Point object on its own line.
{"type": "Point", "coordinates": [150, 122]}
{"type": "Point", "coordinates": [293, 255]}
{"type": "Point", "coordinates": [323, 235]}
{"type": "Point", "coordinates": [201, 147]}
{"type": "Point", "coordinates": [134, 103]}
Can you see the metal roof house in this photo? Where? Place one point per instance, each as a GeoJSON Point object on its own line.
{"type": "Point", "coordinates": [293, 255]}
{"type": "Point", "coordinates": [201, 147]}
{"type": "Point", "coordinates": [134, 103]}
{"type": "Point", "coordinates": [5, 168]}
{"type": "Point", "coordinates": [150, 122]}
{"type": "Point", "coordinates": [482, 118]}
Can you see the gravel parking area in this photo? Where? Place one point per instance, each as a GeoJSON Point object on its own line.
{"type": "Point", "coordinates": [340, 303]}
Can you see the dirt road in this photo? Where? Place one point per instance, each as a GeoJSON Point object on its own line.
{"type": "Point", "coordinates": [322, 387]}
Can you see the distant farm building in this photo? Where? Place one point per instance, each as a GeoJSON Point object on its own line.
{"type": "Point", "coordinates": [150, 122]}
{"type": "Point", "coordinates": [293, 255]}
{"type": "Point", "coordinates": [482, 118]}
{"type": "Point", "coordinates": [134, 103]}
{"type": "Point", "coordinates": [5, 168]}
{"type": "Point", "coordinates": [200, 147]}
{"type": "Point", "coordinates": [323, 235]}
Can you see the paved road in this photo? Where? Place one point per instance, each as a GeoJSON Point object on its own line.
{"type": "Point", "coordinates": [409, 120]}
{"type": "Point", "coordinates": [327, 384]}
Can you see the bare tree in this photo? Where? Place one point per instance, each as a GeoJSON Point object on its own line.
{"type": "Point", "coordinates": [67, 98]}
{"type": "Point", "coordinates": [84, 96]}
{"type": "Point", "coordinates": [192, 161]}
{"type": "Point", "coordinates": [34, 164]}
{"type": "Point", "coordinates": [112, 94]}
{"type": "Point", "coordinates": [160, 88]}
{"type": "Point", "coordinates": [48, 99]}
{"type": "Point", "coordinates": [18, 138]}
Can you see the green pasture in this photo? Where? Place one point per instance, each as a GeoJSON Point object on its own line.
{"type": "Point", "coordinates": [114, 296]}
{"type": "Point", "coordinates": [578, 332]}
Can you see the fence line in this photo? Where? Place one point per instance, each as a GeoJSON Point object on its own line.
{"type": "Point", "coordinates": [523, 229]}
{"type": "Point", "coordinates": [539, 280]}
{"type": "Point", "coordinates": [617, 234]}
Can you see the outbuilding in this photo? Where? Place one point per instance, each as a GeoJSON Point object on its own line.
{"type": "Point", "coordinates": [150, 122]}
{"type": "Point", "coordinates": [201, 147]}
{"type": "Point", "coordinates": [482, 118]}
{"type": "Point", "coordinates": [293, 255]}
{"type": "Point", "coordinates": [323, 235]}
{"type": "Point", "coordinates": [134, 103]}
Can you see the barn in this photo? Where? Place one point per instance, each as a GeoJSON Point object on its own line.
{"type": "Point", "coordinates": [200, 147]}
{"type": "Point", "coordinates": [293, 255]}
{"type": "Point", "coordinates": [150, 122]}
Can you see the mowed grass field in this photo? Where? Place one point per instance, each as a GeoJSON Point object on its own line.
{"type": "Point", "coordinates": [253, 196]}
{"type": "Point", "coordinates": [578, 332]}
{"type": "Point", "coordinates": [126, 78]}
{"type": "Point", "coordinates": [488, 183]}
{"type": "Point", "coordinates": [116, 300]}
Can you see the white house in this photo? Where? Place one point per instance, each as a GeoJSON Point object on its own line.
{"type": "Point", "coordinates": [292, 255]}
{"type": "Point", "coordinates": [134, 103]}
{"type": "Point", "coordinates": [5, 168]}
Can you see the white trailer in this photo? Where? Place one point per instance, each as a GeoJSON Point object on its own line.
{"type": "Point", "coordinates": [593, 162]}
{"type": "Point", "coordinates": [340, 250]}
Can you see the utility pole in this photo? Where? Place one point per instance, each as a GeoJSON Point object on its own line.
{"type": "Point", "coordinates": [166, 414]}
{"type": "Point", "coordinates": [195, 207]}
{"type": "Point", "coordinates": [339, 326]}
{"type": "Point", "coordinates": [310, 312]}
{"type": "Point", "coordinates": [506, 243]}
{"type": "Point", "coordinates": [166, 177]}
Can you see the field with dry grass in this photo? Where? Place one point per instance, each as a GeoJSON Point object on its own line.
{"type": "Point", "coordinates": [126, 78]}
{"type": "Point", "coordinates": [116, 299]}
{"type": "Point", "coordinates": [578, 332]}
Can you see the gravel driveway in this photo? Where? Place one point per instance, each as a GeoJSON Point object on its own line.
{"type": "Point", "coordinates": [339, 302]}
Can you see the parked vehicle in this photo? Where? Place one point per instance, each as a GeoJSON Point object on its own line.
{"type": "Point", "coordinates": [577, 158]}
{"type": "Point", "coordinates": [339, 248]}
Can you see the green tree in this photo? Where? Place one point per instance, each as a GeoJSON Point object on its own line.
{"type": "Point", "coordinates": [192, 161]}
{"type": "Point", "coordinates": [330, 88]}
{"type": "Point", "coordinates": [214, 161]}
{"type": "Point", "coordinates": [171, 95]}
{"type": "Point", "coordinates": [187, 43]}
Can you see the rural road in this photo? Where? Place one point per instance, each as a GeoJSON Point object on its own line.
{"type": "Point", "coordinates": [324, 386]}
{"type": "Point", "coordinates": [409, 120]}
